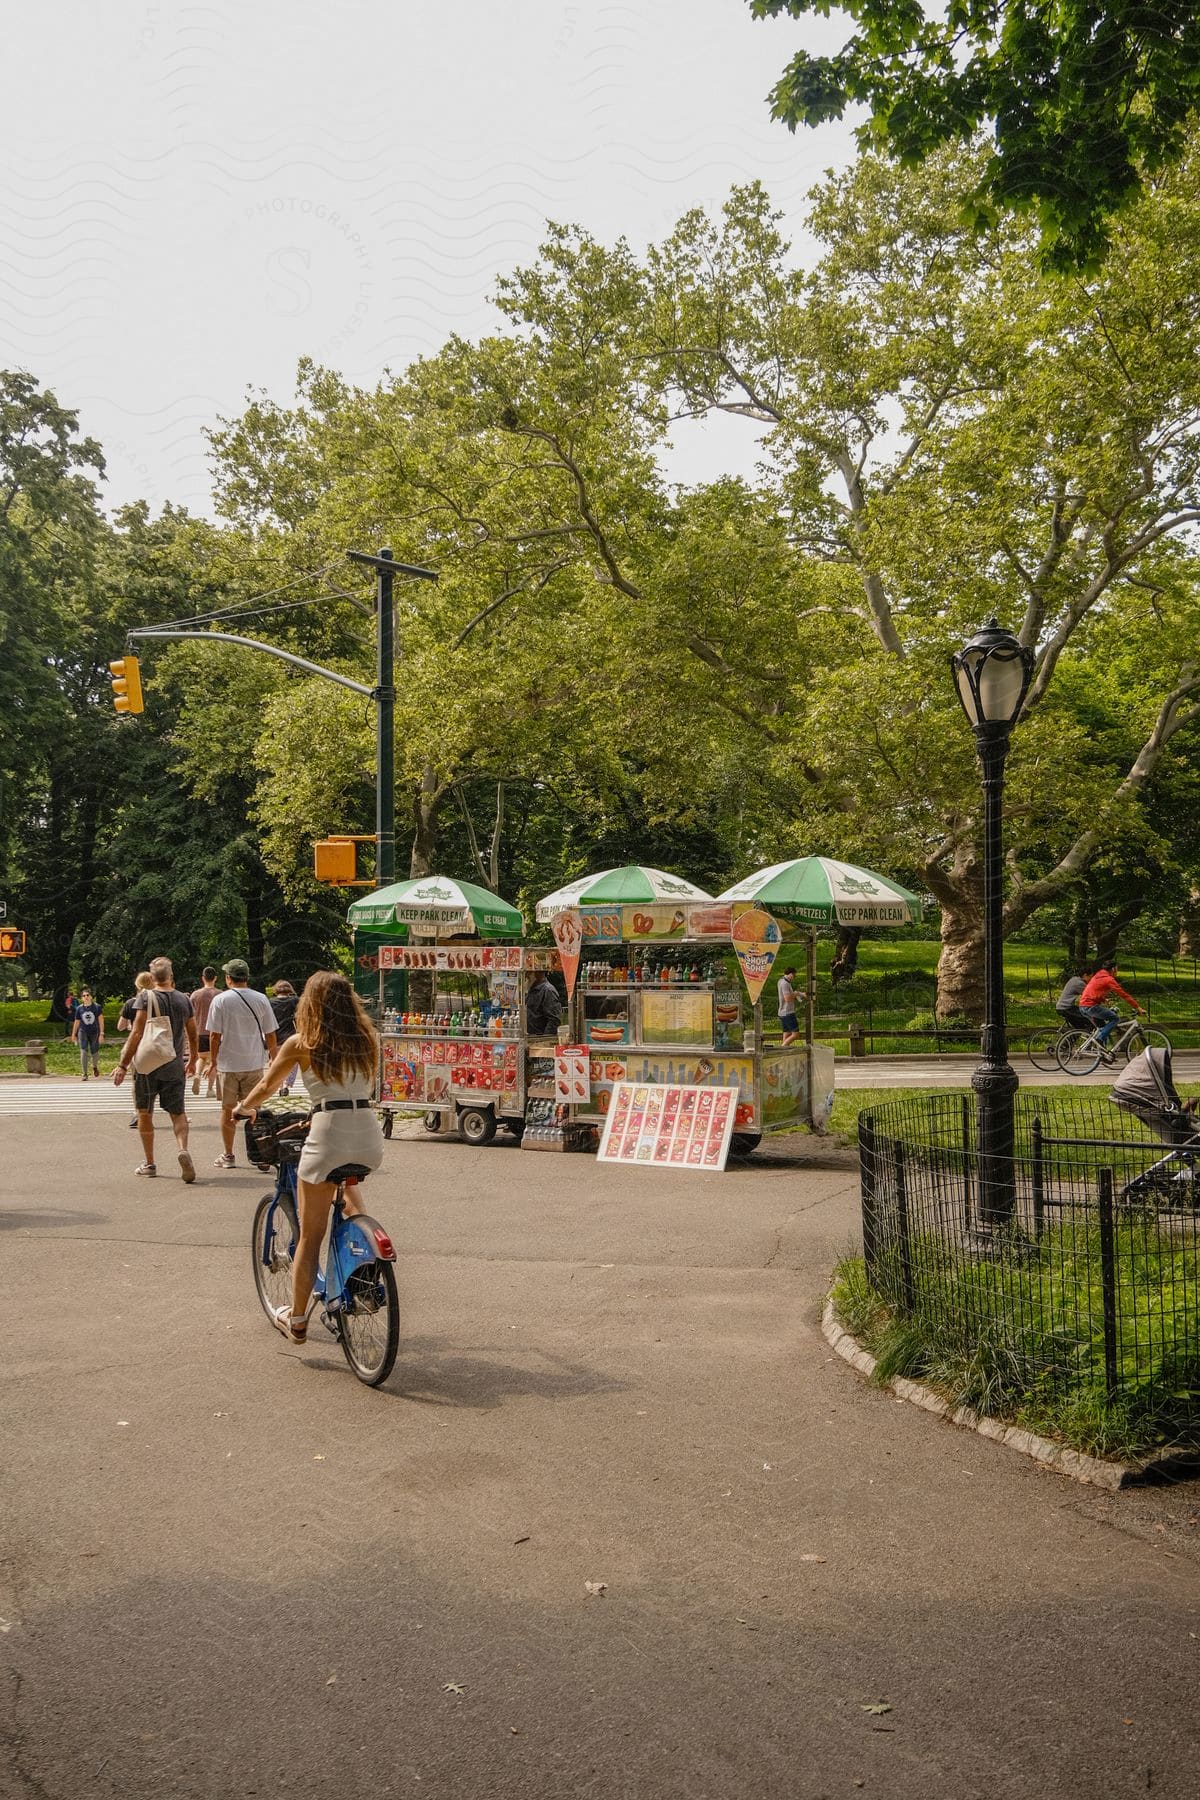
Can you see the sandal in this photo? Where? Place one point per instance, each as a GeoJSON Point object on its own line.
{"type": "Point", "coordinates": [294, 1330]}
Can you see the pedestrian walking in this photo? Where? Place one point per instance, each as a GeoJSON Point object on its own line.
{"type": "Point", "coordinates": [242, 1036]}
{"type": "Point", "coordinates": [284, 1001]}
{"type": "Point", "coordinates": [162, 1025]}
{"type": "Point", "coordinates": [87, 1030]}
{"type": "Point", "coordinates": [125, 1017]}
{"type": "Point", "coordinates": [202, 1001]}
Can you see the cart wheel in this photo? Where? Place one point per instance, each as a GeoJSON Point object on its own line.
{"type": "Point", "coordinates": [387, 1121]}
{"type": "Point", "coordinates": [432, 1121]}
{"type": "Point", "coordinates": [745, 1143]}
{"type": "Point", "coordinates": [476, 1125]}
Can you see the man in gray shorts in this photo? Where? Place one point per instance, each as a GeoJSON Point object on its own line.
{"type": "Point", "coordinates": [166, 1082]}
{"type": "Point", "coordinates": [242, 1034]}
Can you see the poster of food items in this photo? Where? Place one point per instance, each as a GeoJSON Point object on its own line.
{"type": "Point", "coordinates": [669, 1127]}
{"type": "Point", "coordinates": [433, 1072]}
{"type": "Point", "coordinates": [572, 1085]}
{"type": "Point", "coordinates": [466, 958]}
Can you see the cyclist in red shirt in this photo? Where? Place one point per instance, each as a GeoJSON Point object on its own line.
{"type": "Point", "coordinates": [1103, 983]}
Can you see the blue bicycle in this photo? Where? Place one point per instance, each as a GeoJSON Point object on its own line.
{"type": "Point", "coordinates": [356, 1283]}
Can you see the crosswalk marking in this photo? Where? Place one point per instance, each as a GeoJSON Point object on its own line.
{"type": "Point", "coordinates": [47, 1094]}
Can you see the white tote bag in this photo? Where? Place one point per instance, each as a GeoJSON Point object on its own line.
{"type": "Point", "coordinates": [157, 1043]}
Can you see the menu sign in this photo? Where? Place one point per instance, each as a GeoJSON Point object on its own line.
{"type": "Point", "coordinates": [572, 1082]}
{"type": "Point", "coordinates": [669, 1127]}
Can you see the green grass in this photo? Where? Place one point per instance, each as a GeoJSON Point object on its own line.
{"type": "Point", "coordinates": [22, 1019]}
{"type": "Point", "coordinates": [1022, 1340]}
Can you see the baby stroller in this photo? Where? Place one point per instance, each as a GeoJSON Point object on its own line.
{"type": "Point", "coordinates": [1145, 1089]}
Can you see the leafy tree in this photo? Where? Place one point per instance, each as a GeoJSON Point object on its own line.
{"type": "Point", "coordinates": [1087, 101]}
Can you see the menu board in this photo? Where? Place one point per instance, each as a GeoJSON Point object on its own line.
{"type": "Point", "coordinates": [469, 958]}
{"type": "Point", "coordinates": [677, 1016]}
{"type": "Point", "coordinates": [669, 1127]}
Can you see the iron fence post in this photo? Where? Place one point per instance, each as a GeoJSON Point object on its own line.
{"type": "Point", "coordinates": [906, 1274]}
{"type": "Point", "coordinates": [965, 1110]}
{"type": "Point", "coordinates": [1038, 1178]}
{"type": "Point", "coordinates": [867, 1177]}
{"type": "Point", "coordinates": [1108, 1281]}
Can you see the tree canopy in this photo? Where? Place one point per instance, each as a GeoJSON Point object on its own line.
{"type": "Point", "coordinates": [1086, 100]}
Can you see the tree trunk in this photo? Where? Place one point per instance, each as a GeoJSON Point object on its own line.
{"type": "Point", "coordinates": [1189, 925]}
{"type": "Point", "coordinates": [959, 892]}
{"type": "Point", "coordinates": [255, 940]}
{"type": "Point", "coordinates": [1108, 936]}
{"type": "Point", "coordinates": [426, 801]}
{"type": "Point", "coordinates": [845, 956]}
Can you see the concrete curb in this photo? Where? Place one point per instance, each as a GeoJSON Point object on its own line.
{"type": "Point", "coordinates": [1080, 1467]}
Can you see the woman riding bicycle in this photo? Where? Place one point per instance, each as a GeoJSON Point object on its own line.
{"type": "Point", "coordinates": [335, 1049]}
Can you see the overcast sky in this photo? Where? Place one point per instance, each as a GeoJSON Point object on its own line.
{"type": "Point", "coordinates": [199, 194]}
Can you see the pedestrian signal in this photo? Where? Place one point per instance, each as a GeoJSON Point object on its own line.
{"type": "Point", "coordinates": [126, 685]}
{"type": "Point", "coordinates": [336, 860]}
{"type": "Point", "coordinates": [12, 943]}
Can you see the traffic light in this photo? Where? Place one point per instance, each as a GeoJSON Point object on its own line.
{"type": "Point", "coordinates": [12, 943]}
{"type": "Point", "coordinates": [127, 685]}
{"type": "Point", "coordinates": [336, 860]}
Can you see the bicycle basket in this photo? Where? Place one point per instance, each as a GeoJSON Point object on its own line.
{"type": "Point", "coordinates": [266, 1148]}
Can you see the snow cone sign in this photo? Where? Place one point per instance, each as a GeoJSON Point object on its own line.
{"type": "Point", "coordinates": [756, 939]}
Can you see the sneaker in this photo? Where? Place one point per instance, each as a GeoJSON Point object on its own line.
{"type": "Point", "coordinates": [195, 1084]}
{"type": "Point", "coordinates": [85, 1074]}
{"type": "Point", "coordinates": [133, 1123]}
{"type": "Point", "coordinates": [225, 1162]}
{"type": "Point", "coordinates": [147, 1169]}
{"type": "Point", "coordinates": [187, 1167]}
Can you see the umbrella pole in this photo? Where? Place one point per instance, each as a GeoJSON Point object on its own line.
{"type": "Point", "coordinates": [810, 988]}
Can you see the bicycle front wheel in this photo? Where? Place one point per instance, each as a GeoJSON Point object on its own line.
{"type": "Point", "coordinates": [368, 1325]}
{"type": "Point", "coordinates": [1145, 1039]}
{"type": "Point", "coordinates": [1078, 1053]}
{"type": "Point", "coordinates": [1042, 1048]}
{"type": "Point", "coordinates": [272, 1246]}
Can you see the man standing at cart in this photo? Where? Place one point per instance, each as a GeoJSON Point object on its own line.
{"type": "Point", "coordinates": [787, 1007]}
{"type": "Point", "coordinates": [543, 1008]}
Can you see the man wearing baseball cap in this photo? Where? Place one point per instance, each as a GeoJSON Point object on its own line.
{"type": "Point", "coordinates": [242, 1036]}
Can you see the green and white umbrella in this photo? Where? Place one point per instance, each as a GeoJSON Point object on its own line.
{"type": "Point", "coordinates": [816, 890]}
{"type": "Point", "coordinates": [632, 885]}
{"type": "Point", "coordinates": [437, 906]}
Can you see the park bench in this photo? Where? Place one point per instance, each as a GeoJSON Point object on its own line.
{"type": "Point", "coordinates": [34, 1052]}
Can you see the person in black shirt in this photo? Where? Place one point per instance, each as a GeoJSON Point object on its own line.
{"type": "Point", "coordinates": [284, 1001]}
{"type": "Point", "coordinates": [543, 1008]}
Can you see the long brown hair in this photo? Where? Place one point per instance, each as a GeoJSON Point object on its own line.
{"type": "Point", "coordinates": [334, 1028]}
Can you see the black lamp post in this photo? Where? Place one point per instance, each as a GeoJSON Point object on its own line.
{"type": "Point", "coordinates": [992, 675]}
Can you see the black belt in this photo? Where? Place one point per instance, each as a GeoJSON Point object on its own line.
{"type": "Point", "coordinates": [341, 1105]}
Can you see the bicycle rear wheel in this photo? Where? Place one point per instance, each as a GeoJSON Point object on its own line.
{"type": "Point", "coordinates": [368, 1325]}
{"type": "Point", "coordinates": [1145, 1039]}
{"type": "Point", "coordinates": [1078, 1053]}
{"type": "Point", "coordinates": [273, 1239]}
{"type": "Point", "coordinates": [1042, 1048]}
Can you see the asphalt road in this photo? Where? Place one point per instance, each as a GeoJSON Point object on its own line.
{"type": "Point", "coordinates": [231, 1570]}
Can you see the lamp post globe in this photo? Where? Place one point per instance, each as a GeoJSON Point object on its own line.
{"type": "Point", "coordinates": [991, 675]}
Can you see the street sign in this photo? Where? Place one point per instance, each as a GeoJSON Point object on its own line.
{"type": "Point", "coordinates": [12, 943]}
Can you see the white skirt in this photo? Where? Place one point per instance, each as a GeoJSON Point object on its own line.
{"type": "Point", "coordinates": [338, 1137]}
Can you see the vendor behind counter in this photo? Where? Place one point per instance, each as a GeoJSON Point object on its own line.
{"type": "Point", "coordinates": [543, 1007]}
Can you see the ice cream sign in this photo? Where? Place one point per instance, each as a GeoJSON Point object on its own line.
{"type": "Point", "coordinates": [756, 939]}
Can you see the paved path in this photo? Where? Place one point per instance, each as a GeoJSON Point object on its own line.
{"type": "Point", "coordinates": [33, 1094]}
{"type": "Point", "coordinates": [228, 1569]}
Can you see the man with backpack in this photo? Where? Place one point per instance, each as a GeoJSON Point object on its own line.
{"type": "Point", "coordinates": [162, 1020]}
{"type": "Point", "coordinates": [242, 1035]}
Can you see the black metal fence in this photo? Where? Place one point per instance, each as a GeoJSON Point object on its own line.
{"type": "Point", "coordinates": [1086, 1293]}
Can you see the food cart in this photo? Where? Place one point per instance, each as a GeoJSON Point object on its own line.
{"type": "Point", "coordinates": [457, 1045]}
{"type": "Point", "coordinates": [670, 995]}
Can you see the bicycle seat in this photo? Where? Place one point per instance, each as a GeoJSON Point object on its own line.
{"type": "Point", "coordinates": [349, 1173]}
